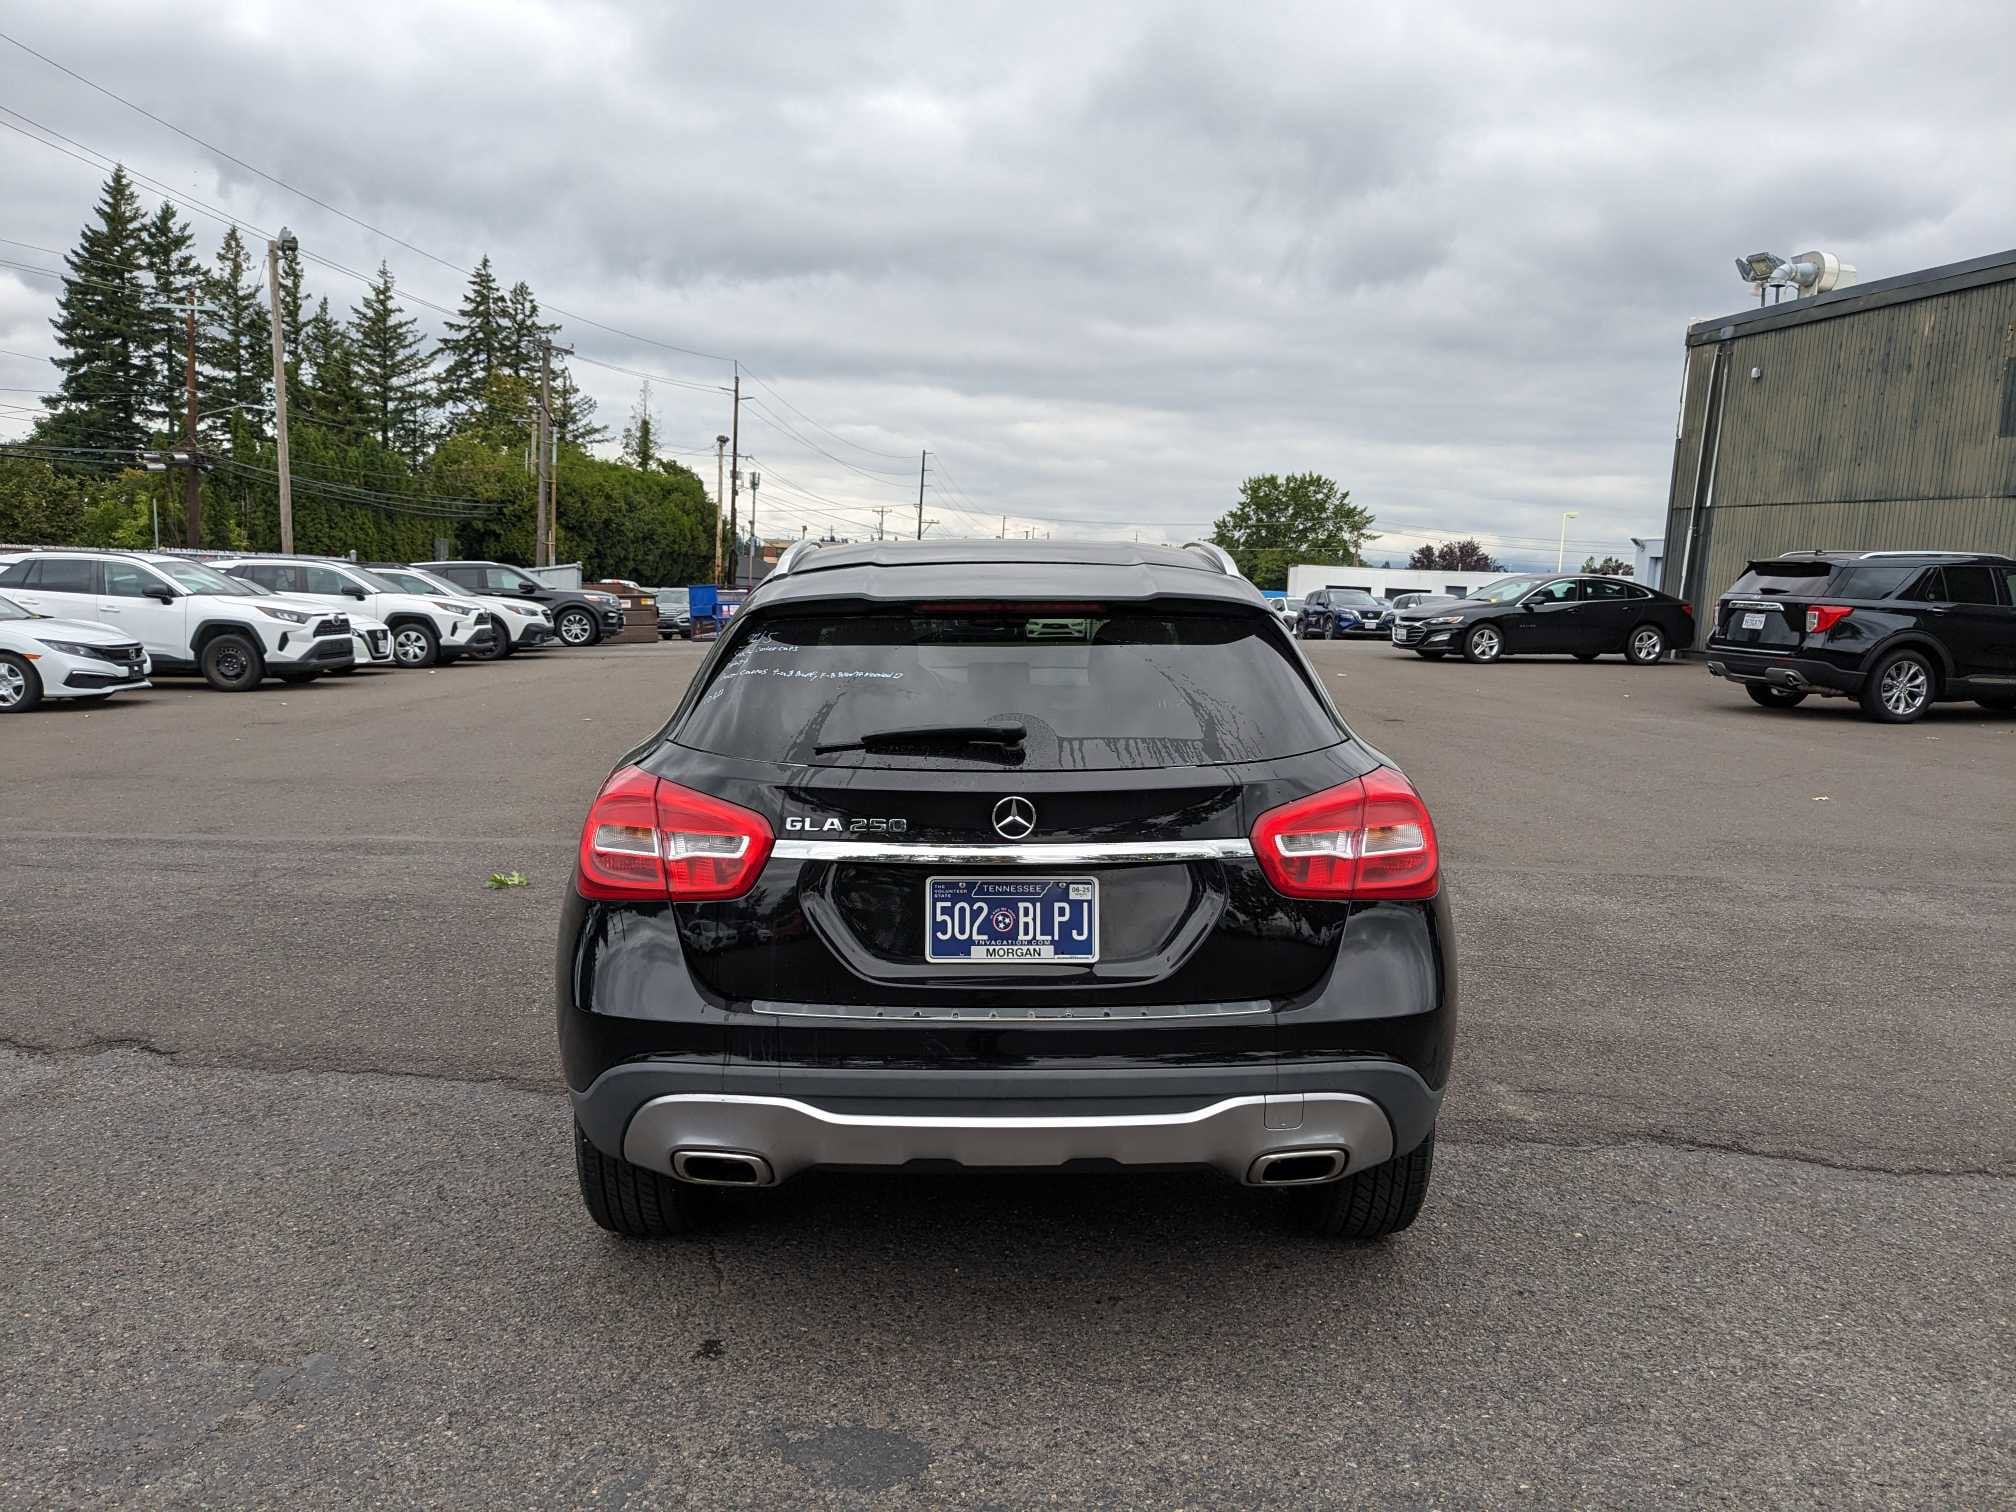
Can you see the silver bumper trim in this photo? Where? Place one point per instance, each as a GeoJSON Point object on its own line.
{"type": "Point", "coordinates": [793, 1136]}
{"type": "Point", "coordinates": [1061, 853]}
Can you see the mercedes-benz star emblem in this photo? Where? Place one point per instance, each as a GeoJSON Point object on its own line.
{"type": "Point", "coordinates": [1014, 818]}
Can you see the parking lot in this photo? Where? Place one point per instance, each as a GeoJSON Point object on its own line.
{"type": "Point", "coordinates": [1723, 1207]}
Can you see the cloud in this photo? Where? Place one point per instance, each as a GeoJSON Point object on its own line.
{"type": "Point", "coordinates": [1104, 262]}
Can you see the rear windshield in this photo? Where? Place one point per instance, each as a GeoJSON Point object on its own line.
{"type": "Point", "coordinates": [1091, 690]}
{"type": "Point", "coordinates": [1804, 579]}
{"type": "Point", "coordinates": [1768, 578]}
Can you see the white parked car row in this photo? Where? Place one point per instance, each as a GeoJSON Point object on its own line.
{"type": "Point", "coordinates": [86, 624]}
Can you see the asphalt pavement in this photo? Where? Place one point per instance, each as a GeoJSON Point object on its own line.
{"type": "Point", "coordinates": [1722, 1210]}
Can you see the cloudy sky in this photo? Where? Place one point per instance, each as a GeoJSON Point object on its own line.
{"type": "Point", "coordinates": [1103, 261]}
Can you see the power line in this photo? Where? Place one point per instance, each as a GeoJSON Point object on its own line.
{"type": "Point", "coordinates": [871, 451]}
{"type": "Point", "coordinates": [324, 204]}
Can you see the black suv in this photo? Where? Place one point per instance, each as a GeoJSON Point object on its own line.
{"type": "Point", "coordinates": [580, 617]}
{"type": "Point", "coordinates": [1895, 630]}
{"type": "Point", "coordinates": [1006, 856]}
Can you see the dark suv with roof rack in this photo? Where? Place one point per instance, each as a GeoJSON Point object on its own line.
{"type": "Point", "coordinates": [1006, 855]}
{"type": "Point", "coordinates": [1896, 630]}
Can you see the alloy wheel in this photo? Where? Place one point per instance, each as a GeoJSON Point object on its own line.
{"type": "Point", "coordinates": [1905, 687]}
{"type": "Point", "coordinates": [409, 647]}
{"type": "Point", "coordinates": [1647, 644]}
{"type": "Point", "coordinates": [576, 628]}
{"type": "Point", "coordinates": [1485, 643]}
{"type": "Point", "coordinates": [13, 685]}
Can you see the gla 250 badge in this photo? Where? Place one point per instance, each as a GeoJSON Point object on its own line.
{"type": "Point", "coordinates": [802, 824]}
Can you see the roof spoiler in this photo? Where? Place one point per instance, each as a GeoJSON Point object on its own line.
{"type": "Point", "coordinates": [795, 553]}
{"type": "Point", "coordinates": [1216, 555]}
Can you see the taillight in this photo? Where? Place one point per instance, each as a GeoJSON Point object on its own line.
{"type": "Point", "coordinates": [1824, 617]}
{"type": "Point", "coordinates": [1370, 838]}
{"type": "Point", "coordinates": [648, 839]}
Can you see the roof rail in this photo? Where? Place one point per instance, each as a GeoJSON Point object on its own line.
{"type": "Point", "coordinates": [793, 554]}
{"type": "Point", "coordinates": [1216, 555]}
{"type": "Point", "coordinates": [1927, 552]}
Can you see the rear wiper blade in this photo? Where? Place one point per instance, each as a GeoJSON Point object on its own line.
{"type": "Point", "coordinates": [880, 740]}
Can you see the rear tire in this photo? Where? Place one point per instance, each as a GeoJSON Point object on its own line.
{"type": "Point", "coordinates": [1900, 688]}
{"type": "Point", "coordinates": [630, 1200]}
{"type": "Point", "coordinates": [232, 664]}
{"type": "Point", "coordinates": [1774, 698]}
{"type": "Point", "coordinates": [1373, 1203]}
{"type": "Point", "coordinates": [20, 684]}
{"type": "Point", "coordinates": [415, 645]}
{"type": "Point", "coordinates": [1645, 645]}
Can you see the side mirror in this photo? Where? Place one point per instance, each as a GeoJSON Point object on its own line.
{"type": "Point", "coordinates": [357, 593]}
{"type": "Point", "coordinates": [160, 591]}
{"type": "Point", "coordinates": [528, 587]}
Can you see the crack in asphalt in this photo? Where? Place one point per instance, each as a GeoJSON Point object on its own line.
{"type": "Point", "coordinates": [1481, 1137]}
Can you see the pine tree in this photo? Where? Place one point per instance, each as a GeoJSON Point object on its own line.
{"type": "Point", "coordinates": [105, 330]}
{"type": "Point", "coordinates": [476, 348]}
{"type": "Point", "coordinates": [293, 302]}
{"type": "Point", "coordinates": [173, 276]}
{"type": "Point", "coordinates": [574, 414]}
{"type": "Point", "coordinates": [526, 334]}
{"type": "Point", "coordinates": [330, 393]}
{"type": "Point", "coordinates": [391, 367]}
{"type": "Point", "coordinates": [640, 436]}
{"type": "Point", "coordinates": [236, 355]}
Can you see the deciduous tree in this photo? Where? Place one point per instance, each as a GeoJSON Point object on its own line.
{"type": "Point", "coordinates": [1304, 517]}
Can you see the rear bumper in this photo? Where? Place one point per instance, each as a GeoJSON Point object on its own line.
{"type": "Point", "coordinates": [1228, 1118]}
{"type": "Point", "coordinates": [1794, 673]}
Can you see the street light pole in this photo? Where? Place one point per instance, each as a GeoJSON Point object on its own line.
{"type": "Point", "coordinates": [284, 242]}
{"type": "Point", "coordinates": [1561, 554]}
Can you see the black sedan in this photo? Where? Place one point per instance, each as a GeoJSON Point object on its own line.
{"type": "Point", "coordinates": [1550, 614]}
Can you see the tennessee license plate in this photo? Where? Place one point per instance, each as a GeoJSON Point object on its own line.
{"type": "Point", "coordinates": [1009, 919]}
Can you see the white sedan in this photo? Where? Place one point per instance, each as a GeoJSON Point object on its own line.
{"type": "Point", "coordinates": [45, 657]}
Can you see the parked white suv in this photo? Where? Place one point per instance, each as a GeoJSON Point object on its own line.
{"type": "Point", "coordinates": [187, 616]}
{"type": "Point", "coordinates": [43, 657]}
{"type": "Point", "coordinates": [525, 625]}
{"type": "Point", "coordinates": [426, 629]}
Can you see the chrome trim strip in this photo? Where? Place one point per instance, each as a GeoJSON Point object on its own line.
{"type": "Point", "coordinates": [1044, 1014]}
{"type": "Point", "coordinates": [1062, 853]}
{"type": "Point", "coordinates": [793, 1136]}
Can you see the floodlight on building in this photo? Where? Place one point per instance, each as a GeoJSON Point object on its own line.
{"type": "Point", "coordinates": [1805, 275]}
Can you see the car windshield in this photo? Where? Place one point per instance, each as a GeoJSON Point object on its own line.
{"type": "Point", "coordinates": [9, 610]}
{"type": "Point", "coordinates": [1506, 590]}
{"type": "Point", "coordinates": [376, 582]}
{"type": "Point", "coordinates": [671, 598]}
{"type": "Point", "coordinates": [194, 577]}
{"type": "Point", "coordinates": [413, 580]}
{"type": "Point", "coordinates": [512, 579]}
{"type": "Point", "coordinates": [1353, 598]}
{"type": "Point", "coordinates": [1091, 690]}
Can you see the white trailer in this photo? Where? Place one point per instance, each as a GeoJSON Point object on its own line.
{"type": "Point", "coordinates": [1386, 582]}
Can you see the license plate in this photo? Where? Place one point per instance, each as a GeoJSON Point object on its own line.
{"type": "Point", "coordinates": [1753, 622]}
{"type": "Point", "coordinates": [1002, 920]}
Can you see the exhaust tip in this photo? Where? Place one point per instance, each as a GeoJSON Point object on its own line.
{"type": "Point", "coordinates": [1298, 1167]}
{"type": "Point", "coordinates": [721, 1168]}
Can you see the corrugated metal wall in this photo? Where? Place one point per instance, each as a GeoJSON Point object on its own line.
{"type": "Point", "coordinates": [1874, 430]}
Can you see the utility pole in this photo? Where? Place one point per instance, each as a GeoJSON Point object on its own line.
{"type": "Point", "coordinates": [542, 525]}
{"type": "Point", "coordinates": [921, 459]}
{"type": "Point", "coordinates": [735, 459]}
{"type": "Point", "coordinates": [881, 513]}
{"type": "Point", "coordinates": [720, 488]}
{"type": "Point", "coordinates": [1561, 552]}
{"type": "Point", "coordinates": [1004, 528]}
{"type": "Point", "coordinates": [755, 482]}
{"type": "Point", "coordinates": [192, 492]}
{"type": "Point", "coordinates": [285, 242]}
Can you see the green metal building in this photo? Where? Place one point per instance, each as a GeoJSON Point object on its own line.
{"type": "Point", "coordinates": [1879, 417]}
